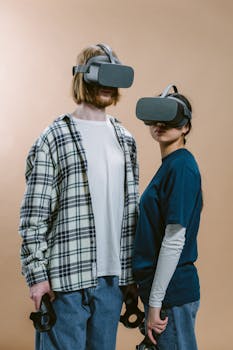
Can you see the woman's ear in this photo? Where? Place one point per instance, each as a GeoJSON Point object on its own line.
{"type": "Point", "coordinates": [185, 129]}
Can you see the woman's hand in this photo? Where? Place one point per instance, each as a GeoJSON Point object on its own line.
{"type": "Point", "coordinates": [154, 323]}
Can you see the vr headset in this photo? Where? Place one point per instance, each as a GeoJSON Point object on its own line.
{"type": "Point", "coordinates": [167, 109]}
{"type": "Point", "coordinates": [106, 70]}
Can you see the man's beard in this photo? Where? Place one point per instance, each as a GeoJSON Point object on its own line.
{"type": "Point", "coordinates": [102, 102]}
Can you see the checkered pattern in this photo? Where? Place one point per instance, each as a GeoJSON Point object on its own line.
{"type": "Point", "coordinates": [57, 222]}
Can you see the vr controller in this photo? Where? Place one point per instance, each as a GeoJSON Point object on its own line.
{"type": "Point", "coordinates": [106, 70]}
{"type": "Point", "coordinates": [132, 310]}
{"type": "Point", "coordinates": [166, 109]}
{"type": "Point", "coordinates": [146, 344]}
{"type": "Point", "coordinates": [45, 318]}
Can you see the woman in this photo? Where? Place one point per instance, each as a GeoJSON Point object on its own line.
{"type": "Point", "coordinates": [166, 237]}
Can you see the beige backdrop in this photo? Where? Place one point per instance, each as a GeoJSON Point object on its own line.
{"type": "Point", "coordinates": [185, 42]}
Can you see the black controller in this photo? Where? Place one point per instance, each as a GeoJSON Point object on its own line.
{"type": "Point", "coordinates": [45, 318]}
{"type": "Point", "coordinates": [146, 344]}
{"type": "Point", "coordinates": [131, 303]}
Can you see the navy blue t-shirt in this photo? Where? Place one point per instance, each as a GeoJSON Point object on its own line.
{"type": "Point", "coordinates": [173, 196]}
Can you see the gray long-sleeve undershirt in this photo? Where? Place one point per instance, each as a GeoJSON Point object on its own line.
{"type": "Point", "coordinates": [171, 248]}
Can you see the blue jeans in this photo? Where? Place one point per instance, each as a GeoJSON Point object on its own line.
{"type": "Point", "coordinates": [86, 320]}
{"type": "Point", "coordinates": [180, 331]}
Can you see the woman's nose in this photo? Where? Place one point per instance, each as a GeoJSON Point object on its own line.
{"type": "Point", "coordinates": [161, 125]}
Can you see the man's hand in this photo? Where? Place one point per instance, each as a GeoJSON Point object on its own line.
{"type": "Point", "coordinates": [154, 323]}
{"type": "Point", "coordinates": [38, 290]}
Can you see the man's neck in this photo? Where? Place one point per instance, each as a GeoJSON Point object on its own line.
{"type": "Point", "coordinates": [89, 112]}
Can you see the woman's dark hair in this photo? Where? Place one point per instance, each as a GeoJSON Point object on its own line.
{"type": "Point", "coordinates": [188, 104]}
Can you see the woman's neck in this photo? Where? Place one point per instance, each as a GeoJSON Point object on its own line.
{"type": "Point", "coordinates": [167, 148]}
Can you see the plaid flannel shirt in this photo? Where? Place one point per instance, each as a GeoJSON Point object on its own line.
{"type": "Point", "coordinates": [57, 222]}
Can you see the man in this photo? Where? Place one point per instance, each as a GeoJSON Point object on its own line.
{"type": "Point", "coordinates": [79, 210]}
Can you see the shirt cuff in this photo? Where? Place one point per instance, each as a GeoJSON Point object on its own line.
{"type": "Point", "coordinates": [35, 274]}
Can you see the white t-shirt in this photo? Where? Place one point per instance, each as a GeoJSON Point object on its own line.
{"type": "Point", "coordinates": [106, 174]}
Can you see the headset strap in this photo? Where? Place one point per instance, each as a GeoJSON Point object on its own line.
{"type": "Point", "coordinates": [165, 92]}
{"type": "Point", "coordinates": [167, 89]}
{"type": "Point", "coordinates": [83, 68]}
{"type": "Point", "coordinates": [80, 69]}
{"type": "Point", "coordinates": [107, 49]}
{"type": "Point", "coordinates": [187, 112]}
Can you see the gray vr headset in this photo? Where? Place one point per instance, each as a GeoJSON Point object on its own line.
{"type": "Point", "coordinates": [106, 70]}
{"type": "Point", "coordinates": [165, 109]}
